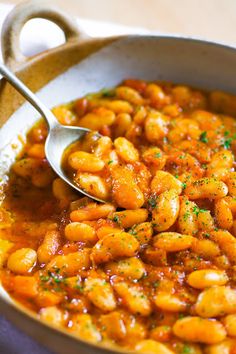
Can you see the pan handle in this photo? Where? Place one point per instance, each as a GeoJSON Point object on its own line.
{"type": "Point", "coordinates": [26, 11]}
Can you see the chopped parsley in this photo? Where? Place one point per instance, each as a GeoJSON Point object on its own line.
{"type": "Point", "coordinates": [132, 231]}
{"type": "Point", "coordinates": [152, 202]}
{"type": "Point", "coordinates": [109, 162]}
{"type": "Point", "coordinates": [107, 92]}
{"type": "Point", "coordinates": [206, 234]}
{"type": "Point", "coordinates": [116, 218]}
{"type": "Point", "coordinates": [158, 154]}
{"type": "Point", "coordinates": [227, 143]}
{"type": "Point", "coordinates": [186, 216]}
{"type": "Point", "coordinates": [79, 287]}
{"type": "Point", "coordinates": [156, 284]}
{"type": "Point", "coordinates": [197, 210]}
{"type": "Point", "coordinates": [44, 278]}
{"type": "Point", "coordinates": [203, 137]}
{"type": "Point", "coordinates": [186, 349]}
{"type": "Point", "coordinates": [184, 185]}
{"type": "Point", "coordinates": [52, 279]}
{"type": "Point", "coordinates": [181, 315]}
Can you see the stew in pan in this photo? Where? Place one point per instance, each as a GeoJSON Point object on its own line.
{"type": "Point", "coordinates": [154, 268]}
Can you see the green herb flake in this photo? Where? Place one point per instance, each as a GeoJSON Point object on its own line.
{"type": "Point", "coordinates": [157, 155]}
{"type": "Point", "coordinates": [206, 235]}
{"type": "Point", "coordinates": [107, 92]}
{"type": "Point", "coordinates": [186, 216]}
{"type": "Point", "coordinates": [116, 218]}
{"type": "Point", "coordinates": [186, 349]}
{"type": "Point", "coordinates": [79, 287]}
{"type": "Point", "coordinates": [156, 284]}
{"type": "Point", "coordinates": [203, 137]}
{"type": "Point", "coordinates": [58, 280]}
{"type": "Point", "coordinates": [109, 162]}
{"type": "Point", "coordinates": [197, 210]}
{"type": "Point", "coordinates": [133, 231]}
{"type": "Point", "coordinates": [52, 279]}
{"type": "Point", "coordinates": [44, 279]}
{"type": "Point", "coordinates": [227, 143]}
{"type": "Point", "coordinates": [152, 202]}
{"type": "Point", "coordinates": [181, 315]}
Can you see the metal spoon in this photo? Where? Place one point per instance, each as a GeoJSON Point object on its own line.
{"type": "Point", "coordinates": [59, 136]}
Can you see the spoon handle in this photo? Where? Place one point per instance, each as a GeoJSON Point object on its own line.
{"type": "Point", "coordinates": [28, 95]}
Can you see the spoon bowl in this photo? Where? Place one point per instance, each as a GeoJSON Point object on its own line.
{"type": "Point", "coordinates": [59, 136]}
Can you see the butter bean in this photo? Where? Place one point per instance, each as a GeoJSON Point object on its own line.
{"type": "Point", "coordinates": [166, 211]}
{"type": "Point", "coordinates": [205, 278]}
{"type": "Point", "coordinates": [22, 260]}
{"type": "Point", "coordinates": [206, 188]}
{"type": "Point", "coordinates": [172, 241]}
{"type": "Point", "coordinates": [216, 301]}
{"type": "Point", "coordinates": [197, 329]}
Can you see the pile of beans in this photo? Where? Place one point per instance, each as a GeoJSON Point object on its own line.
{"type": "Point", "coordinates": [153, 269]}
